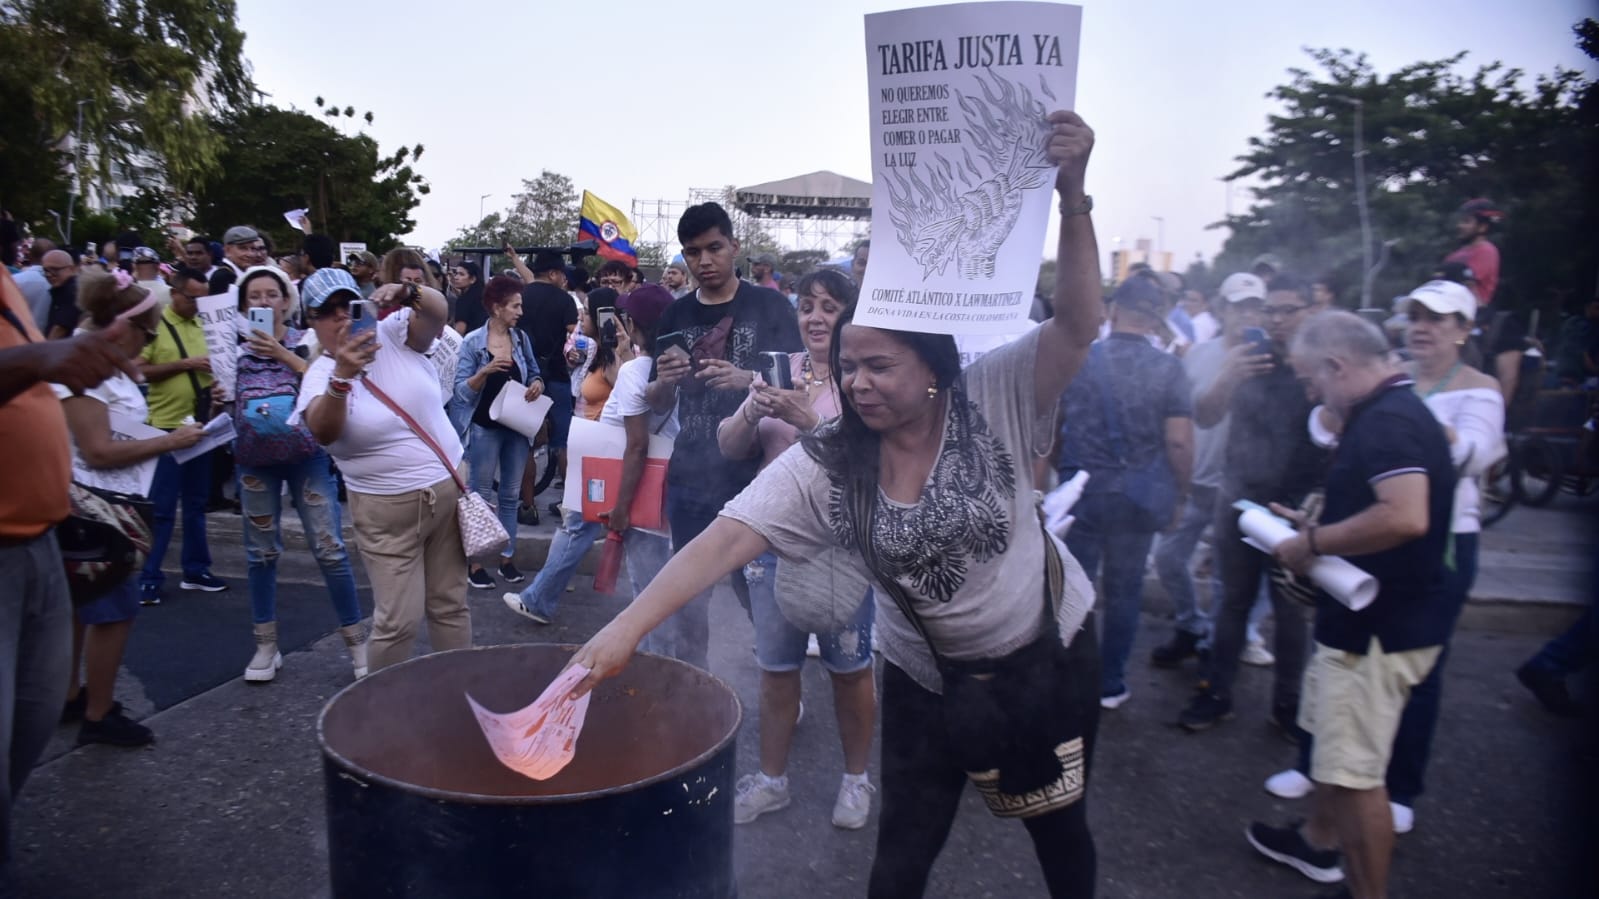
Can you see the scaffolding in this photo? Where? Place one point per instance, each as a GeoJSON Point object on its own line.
{"type": "Point", "coordinates": [830, 227]}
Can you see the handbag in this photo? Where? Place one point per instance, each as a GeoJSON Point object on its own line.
{"type": "Point", "coordinates": [1001, 716]}
{"type": "Point", "coordinates": [481, 531]}
{"type": "Point", "coordinates": [104, 540]}
{"type": "Point", "coordinates": [1151, 487]}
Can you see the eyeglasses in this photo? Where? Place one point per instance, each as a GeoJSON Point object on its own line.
{"type": "Point", "coordinates": [611, 282]}
{"type": "Point", "coordinates": [1283, 311]}
{"type": "Point", "coordinates": [57, 269]}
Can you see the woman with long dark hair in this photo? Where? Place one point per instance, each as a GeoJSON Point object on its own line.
{"type": "Point", "coordinates": [925, 485]}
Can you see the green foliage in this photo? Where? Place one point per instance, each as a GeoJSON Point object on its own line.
{"type": "Point", "coordinates": [279, 159]}
{"type": "Point", "coordinates": [1433, 138]}
{"type": "Point", "coordinates": [543, 214]}
{"type": "Point", "coordinates": [149, 69]}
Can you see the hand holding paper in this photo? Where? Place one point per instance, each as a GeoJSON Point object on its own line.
{"type": "Point", "coordinates": [1343, 581]}
{"type": "Point", "coordinates": [1058, 504]}
{"type": "Point", "coordinates": [539, 740]}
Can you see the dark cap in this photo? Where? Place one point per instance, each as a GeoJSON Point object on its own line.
{"type": "Point", "coordinates": [1142, 294]}
{"type": "Point", "coordinates": [547, 261]}
{"type": "Point", "coordinates": [646, 304]}
{"type": "Point", "coordinates": [1458, 272]}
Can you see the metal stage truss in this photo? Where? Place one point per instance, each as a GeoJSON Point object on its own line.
{"type": "Point", "coordinates": [821, 211]}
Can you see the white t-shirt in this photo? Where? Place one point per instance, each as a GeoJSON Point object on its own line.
{"type": "Point", "coordinates": [627, 399]}
{"type": "Point", "coordinates": [1205, 327]}
{"type": "Point", "coordinates": [122, 399]}
{"type": "Point", "coordinates": [377, 452]}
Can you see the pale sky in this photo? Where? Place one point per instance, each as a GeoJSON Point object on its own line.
{"type": "Point", "coordinates": [644, 100]}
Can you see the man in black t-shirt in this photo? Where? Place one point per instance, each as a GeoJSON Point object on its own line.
{"type": "Point", "coordinates": [1390, 495]}
{"type": "Point", "coordinates": [729, 323]}
{"type": "Point", "coordinates": [1269, 458]}
{"type": "Point", "coordinates": [549, 316]}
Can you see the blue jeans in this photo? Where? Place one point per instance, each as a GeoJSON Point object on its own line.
{"type": "Point", "coordinates": [645, 556]}
{"type": "Point", "coordinates": [1570, 652]}
{"type": "Point", "coordinates": [780, 646]}
{"type": "Point", "coordinates": [498, 454]}
{"type": "Point", "coordinates": [316, 498]}
{"type": "Point", "coordinates": [191, 481]}
{"type": "Point", "coordinates": [1173, 552]}
{"type": "Point", "coordinates": [560, 417]}
{"type": "Point", "coordinates": [1109, 529]}
{"type": "Point", "coordinates": [1407, 765]}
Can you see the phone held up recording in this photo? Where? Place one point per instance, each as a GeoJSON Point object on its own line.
{"type": "Point", "coordinates": [363, 317]}
{"type": "Point", "coordinates": [775, 369]}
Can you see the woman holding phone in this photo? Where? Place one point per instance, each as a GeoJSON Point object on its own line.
{"type": "Point", "coordinates": [273, 454]}
{"type": "Point", "coordinates": [771, 420]}
{"type": "Point", "coordinates": [925, 485]}
{"type": "Point", "coordinates": [491, 357]}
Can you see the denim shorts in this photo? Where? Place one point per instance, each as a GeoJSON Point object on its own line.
{"type": "Point", "coordinates": [121, 604]}
{"type": "Point", "coordinates": [780, 646]}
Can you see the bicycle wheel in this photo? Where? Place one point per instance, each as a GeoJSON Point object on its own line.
{"type": "Point", "coordinates": [1537, 471]}
{"type": "Point", "coordinates": [1497, 495]}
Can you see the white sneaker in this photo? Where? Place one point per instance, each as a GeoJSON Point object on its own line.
{"type": "Point", "coordinates": [813, 649]}
{"type": "Point", "coordinates": [854, 804]}
{"type": "Point", "coordinates": [1404, 817]}
{"type": "Point", "coordinates": [756, 794]}
{"type": "Point", "coordinates": [1257, 654]}
{"type": "Point", "coordinates": [800, 714]}
{"type": "Point", "coordinates": [1115, 701]}
{"type": "Point", "coordinates": [1289, 784]}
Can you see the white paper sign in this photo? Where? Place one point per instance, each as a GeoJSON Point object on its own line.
{"type": "Point", "coordinates": [962, 186]}
{"type": "Point", "coordinates": [538, 740]}
{"type": "Point", "coordinates": [218, 431]}
{"type": "Point", "coordinates": [346, 249]}
{"type": "Point", "coordinates": [513, 411]}
{"type": "Point", "coordinates": [219, 317]}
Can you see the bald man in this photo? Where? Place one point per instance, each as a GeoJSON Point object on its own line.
{"type": "Point", "coordinates": [62, 273]}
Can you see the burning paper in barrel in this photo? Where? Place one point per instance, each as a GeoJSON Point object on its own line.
{"type": "Point", "coordinates": [537, 741]}
{"type": "Point", "coordinates": [1342, 580]}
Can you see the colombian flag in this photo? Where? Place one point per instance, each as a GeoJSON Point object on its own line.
{"type": "Point", "coordinates": [605, 223]}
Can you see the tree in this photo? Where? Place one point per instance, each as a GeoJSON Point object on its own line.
{"type": "Point", "coordinates": [1433, 138]}
{"type": "Point", "coordinates": [149, 71]}
{"type": "Point", "coordinates": [543, 214]}
{"type": "Point", "coordinates": [278, 159]}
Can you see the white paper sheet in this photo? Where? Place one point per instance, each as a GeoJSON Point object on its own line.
{"type": "Point", "coordinates": [218, 431]}
{"type": "Point", "coordinates": [1058, 504]}
{"type": "Point", "coordinates": [539, 740]}
{"type": "Point", "coordinates": [510, 409]}
{"type": "Point", "coordinates": [1343, 581]}
{"type": "Point", "coordinates": [219, 317]}
{"type": "Point", "coordinates": [133, 479]}
{"type": "Point", "coordinates": [962, 187]}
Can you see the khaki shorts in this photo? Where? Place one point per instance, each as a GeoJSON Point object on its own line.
{"type": "Point", "coordinates": [1351, 704]}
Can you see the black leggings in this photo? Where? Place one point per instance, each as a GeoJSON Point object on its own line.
{"type": "Point", "coordinates": [922, 788]}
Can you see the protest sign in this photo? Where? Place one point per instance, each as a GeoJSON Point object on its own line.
{"type": "Point", "coordinates": [346, 249]}
{"type": "Point", "coordinates": [962, 185]}
{"type": "Point", "coordinates": [219, 317]}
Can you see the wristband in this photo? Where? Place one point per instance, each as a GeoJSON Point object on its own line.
{"type": "Point", "coordinates": [1084, 207]}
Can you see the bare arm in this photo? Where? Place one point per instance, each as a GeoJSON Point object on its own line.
{"type": "Point", "coordinates": [738, 436]}
{"type": "Point", "coordinates": [1180, 451]}
{"type": "Point", "coordinates": [78, 362]}
{"type": "Point", "coordinates": [325, 415]}
{"type": "Point", "coordinates": [90, 423]}
{"type": "Point", "coordinates": [1398, 516]}
{"type": "Point", "coordinates": [723, 547]}
{"type": "Point", "coordinates": [634, 455]}
{"type": "Point", "coordinates": [1064, 340]}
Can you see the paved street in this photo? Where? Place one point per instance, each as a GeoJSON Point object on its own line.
{"type": "Point", "coordinates": [229, 802]}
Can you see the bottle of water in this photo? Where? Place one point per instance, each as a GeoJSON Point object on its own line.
{"type": "Point", "coordinates": [610, 563]}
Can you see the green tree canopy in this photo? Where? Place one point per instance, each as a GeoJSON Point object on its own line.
{"type": "Point", "coordinates": [1433, 138]}
{"type": "Point", "coordinates": [279, 159]}
{"type": "Point", "coordinates": [150, 71]}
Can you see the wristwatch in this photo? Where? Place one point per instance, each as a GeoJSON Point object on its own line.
{"type": "Point", "coordinates": [1082, 208]}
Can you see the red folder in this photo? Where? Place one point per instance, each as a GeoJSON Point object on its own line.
{"type": "Point", "coordinates": [602, 478]}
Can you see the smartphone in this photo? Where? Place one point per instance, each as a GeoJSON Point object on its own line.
{"type": "Point", "coordinates": [607, 316]}
{"type": "Point", "coordinates": [775, 369]}
{"type": "Point", "coordinates": [1257, 336]}
{"type": "Point", "coordinates": [669, 340]}
{"type": "Point", "coordinates": [261, 319]}
{"type": "Point", "coordinates": [363, 317]}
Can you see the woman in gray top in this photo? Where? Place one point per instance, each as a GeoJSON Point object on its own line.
{"type": "Point", "coordinates": [925, 485]}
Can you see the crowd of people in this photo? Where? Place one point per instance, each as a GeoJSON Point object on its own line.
{"type": "Point", "coordinates": [857, 487]}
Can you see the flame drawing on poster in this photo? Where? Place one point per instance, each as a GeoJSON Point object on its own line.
{"type": "Point", "coordinates": [939, 223]}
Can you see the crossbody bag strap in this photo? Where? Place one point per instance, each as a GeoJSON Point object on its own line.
{"type": "Point", "coordinates": [418, 430]}
{"type": "Point", "coordinates": [8, 315]}
{"type": "Point", "coordinates": [194, 379]}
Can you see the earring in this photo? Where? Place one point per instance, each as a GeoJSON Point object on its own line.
{"type": "Point", "coordinates": [1460, 342]}
{"type": "Point", "coordinates": [932, 391]}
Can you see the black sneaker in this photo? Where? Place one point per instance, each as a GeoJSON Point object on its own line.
{"type": "Point", "coordinates": [1550, 690]}
{"type": "Point", "coordinates": [205, 581]}
{"type": "Point", "coordinates": [149, 595]}
{"type": "Point", "coordinates": [481, 579]}
{"type": "Point", "coordinates": [509, 574]}
{"type": "Point", "coordinates": [527, 514]}
{"type": "Point", "coordinates": [1288, 846]}
{"type": "Point", "coordinates": [115, 729]}
{"type": "Point", "coordinates": [1205, 711]}
{"type": "Point", "coordinates": [1182, 645]}
{"type": "Point", "coordinates": [1285, 717]}
{"type": "Point", "coordinates": [72, 710]}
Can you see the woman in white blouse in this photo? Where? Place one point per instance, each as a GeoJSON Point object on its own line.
{"type": "Point", "coordinates": [1471, 409]}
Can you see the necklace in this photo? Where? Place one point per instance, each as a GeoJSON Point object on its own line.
{"type": "Point", "coordinates": [809, 374]}
{"type": "Point", "coordinates": [1448, 376]}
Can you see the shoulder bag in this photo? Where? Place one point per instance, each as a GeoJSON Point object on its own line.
{"type": "Point", "coordinates": [481, 531]}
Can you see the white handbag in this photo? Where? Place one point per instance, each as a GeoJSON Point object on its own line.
{"type": "Point", "coordinates": [481, 532]}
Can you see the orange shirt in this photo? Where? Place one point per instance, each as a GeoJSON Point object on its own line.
{"type": "Point", "coordinates": [33, 430]}
{"type": "Point", "coordinates": [596, 390]}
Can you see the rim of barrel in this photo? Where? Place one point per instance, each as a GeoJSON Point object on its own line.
{"type": "Point", "coordinates": [496, 799]}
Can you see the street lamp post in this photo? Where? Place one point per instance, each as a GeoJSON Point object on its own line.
{"type": "Point", "coordinates": [480, 206]}
{"type": "Point", "coordinates": [1160, 236]}
{"type": "Point", "coordinates": [77, 173]}
{"type": "Point", "coordinates": [1368, 270]}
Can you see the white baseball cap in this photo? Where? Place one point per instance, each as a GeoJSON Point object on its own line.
{"type": "Point", "coordinates": [1242, 286]}
{"type": "Point", "coordinates": [1446, 298]}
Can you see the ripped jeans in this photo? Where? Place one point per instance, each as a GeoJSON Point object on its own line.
{"type": "Point", "coordinates": [316, 497]}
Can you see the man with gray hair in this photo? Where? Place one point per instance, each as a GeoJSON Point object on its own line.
{"type": "Point", "coordinates": [675, 278]}
{"type": "Point", "coordinates": [1389, 498]}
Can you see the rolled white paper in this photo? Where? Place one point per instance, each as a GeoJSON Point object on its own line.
{"type": "Point", "coordinates": [1059, 502]}
{"type": "Point", "coordinates": [1342, 580]}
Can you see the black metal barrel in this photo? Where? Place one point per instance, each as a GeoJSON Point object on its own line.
{"type": "Point", "coordinates": [418, 806]}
